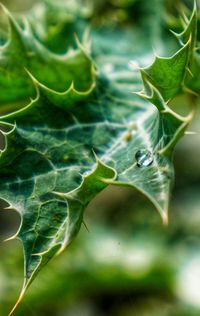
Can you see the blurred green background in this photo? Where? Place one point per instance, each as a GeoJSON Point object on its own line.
{"type": "Point", "coordinates": [126, 262]}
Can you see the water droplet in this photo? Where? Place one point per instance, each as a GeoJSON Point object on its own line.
{"type": "Point", "coordinates": [144, 158]}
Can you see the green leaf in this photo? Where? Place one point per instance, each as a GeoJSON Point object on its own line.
{"type": "Point", "coordinates": [53, 174]}
{"type": "Point", "coordinates": [83, 130]}
{"type": "Point", "coordinates": [23, 51]}
{"type": "Point", "coordinates": [168, 74]}
{"type": "Point", "coordinates": [193, 79]}
{"type": "Point", "coordinates": [56, 31]}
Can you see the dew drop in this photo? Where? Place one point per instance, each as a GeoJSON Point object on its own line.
{"type": "Point", "coordinates": [144, 158]}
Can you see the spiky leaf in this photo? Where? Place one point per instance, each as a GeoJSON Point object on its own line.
{"type": "Point", "coordinates": [81, 131]}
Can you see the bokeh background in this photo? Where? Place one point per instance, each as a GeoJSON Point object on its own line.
{"type": "Point", "coordinates": [125, 262]}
